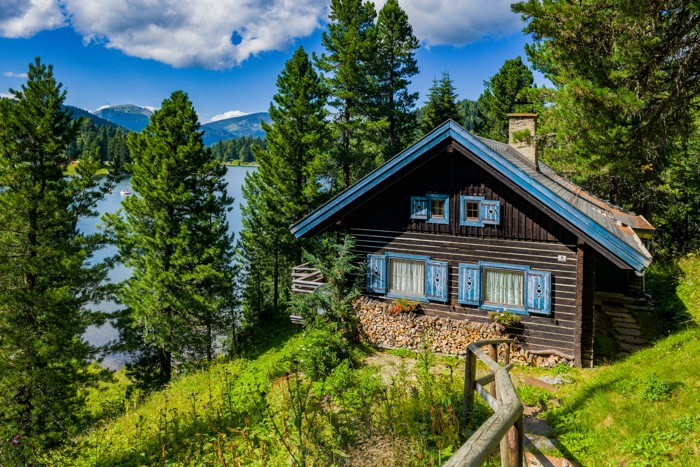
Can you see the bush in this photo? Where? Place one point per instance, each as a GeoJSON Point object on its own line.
{"type": "Point", "coordinates": [505, 318]}
{"type": "Point", "coordinates": [322, 349]}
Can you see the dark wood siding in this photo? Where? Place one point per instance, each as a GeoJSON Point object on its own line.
{"type": "Point", "coordinates": [455, 174]}
{"type": "Point", "coordinates": [540, 332]}
{"type": "Point", "coordinates": [526, 236]}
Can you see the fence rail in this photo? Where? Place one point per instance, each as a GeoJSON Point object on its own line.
{"type": "Point", "coordinates": [505, 427]}
{"type": "Point", "coordinates": [306, 279]}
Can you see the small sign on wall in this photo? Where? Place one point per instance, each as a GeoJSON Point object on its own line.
{"type": "Point", "coordinates": [561, 258]}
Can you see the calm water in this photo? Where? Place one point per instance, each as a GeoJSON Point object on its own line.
{"type": "Point", "coordinates": [111, 203]}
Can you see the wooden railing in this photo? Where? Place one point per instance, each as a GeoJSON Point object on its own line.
{"type": "Point", "coordinates": [306, 279]}
{"type": "Point", "coordinates": [505, 426]}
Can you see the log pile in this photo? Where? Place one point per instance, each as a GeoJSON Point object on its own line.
{"type": "Point", "coordinates": [441, 335]}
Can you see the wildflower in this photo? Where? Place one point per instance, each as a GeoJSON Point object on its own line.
{"type": "Point", "coordinates": [328, 398]}
{"type": "Point", "coordinates": [15, 440]}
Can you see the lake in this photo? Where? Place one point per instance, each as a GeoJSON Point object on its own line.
{"type": "Point", "coordinates": [111, 203]}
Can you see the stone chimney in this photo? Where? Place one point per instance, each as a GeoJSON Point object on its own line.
{"type": "Point", "coordinates": [521, 135]}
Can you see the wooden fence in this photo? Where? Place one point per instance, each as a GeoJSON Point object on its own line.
{"type": "Point", "coordinates": [505, 426]}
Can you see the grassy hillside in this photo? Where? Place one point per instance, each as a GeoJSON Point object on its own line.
{"type": "Point", "coordinates": [645, 410]}
{"type": "Point", "coordinates": [260, 410]}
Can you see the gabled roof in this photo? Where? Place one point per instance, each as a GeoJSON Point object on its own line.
{"type": "Point", "coordinates": [611, 230]}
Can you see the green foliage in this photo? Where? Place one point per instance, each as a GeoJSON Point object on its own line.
{"type": "Point", "coordinates": [533, 396]}
{"type": "Point", "coordinates": [655, 390]}
{"type": "Point", "coordinates": [45, 271]}
{"type": "Point", "coordinates": [441, 105]}
{"type": "Point", "coordinates": [643, 409]}
{"type": "Point", "coordinates": [333, 301]}
{"type": "Point", "coordinates": [108, 141]}
{"type": "Point", "coordinates": [324, 348]}
{"type": "Point", "coordinates": [471, 115]}
{"type": "Point", "coordinates": [350, 44]}
{"type": "Point", "coordinates": [237, 150]}
{"type": "Point", "coordinates": [285, 187]}
{"type": "Point", "coordinates": [394, 65]}
{"type": "Point", "coordinates": [174, 235]}
{"type": "Point", "coordinates": [504, 94]}
{"type": "Point", "coordinates": [624, 115]}
{"type": "Point", "coordinates": [506, 318]}
{"type": "Point", "coordinates": [263, 410]}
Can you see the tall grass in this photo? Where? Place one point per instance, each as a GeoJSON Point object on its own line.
{"type": "Point", "coordinates": [264, 410]}
{"type": "Point", "coordinates": [645, 410]}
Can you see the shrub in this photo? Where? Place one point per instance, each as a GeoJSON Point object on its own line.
{"type": "Point", "coordinates": [505, 318]}
{"type": "Point", "coordinates": [322, 349]}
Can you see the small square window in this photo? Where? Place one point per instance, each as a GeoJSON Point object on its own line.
{"type": "Point", "coordinates": [437, 208]}
{"type": "Point", "coordinates": [471, 210]}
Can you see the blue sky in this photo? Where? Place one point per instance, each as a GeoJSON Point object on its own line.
{"type": "Point", "coordinates": [109, 52]}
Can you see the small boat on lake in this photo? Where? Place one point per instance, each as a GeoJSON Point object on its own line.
{"type": "Point", "coordinates": [125, 192]}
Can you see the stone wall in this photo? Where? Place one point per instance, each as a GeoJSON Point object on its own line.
{"type": "Point", "coordinates": [443, 335]}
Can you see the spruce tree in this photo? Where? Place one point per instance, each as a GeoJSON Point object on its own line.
{"type": "Point", "coordinates": [504, 93]}
{"type": "Point", "coordinates": [350, 46]}
{"type": "Point", "coordinates": [394, 65]}
{"type": "Point", "coordinates": [626, 87]}
{"type": "Point", "coordinates": [45, 276]}
{"type": "Point", "coordinates": [173, 234]}
{"type": "Point", "coordinates": [285, 187]}
{"type": "Point", "coordinates": [441, 105]}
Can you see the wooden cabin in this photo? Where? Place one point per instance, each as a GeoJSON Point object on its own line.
{"type": "Point", "coordinates": [468, 225]}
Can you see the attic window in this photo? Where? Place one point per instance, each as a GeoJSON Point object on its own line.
{"type": "Point", "coordinates": [432, 208]}
{"type": "Point", "coordinates": [477, 211]}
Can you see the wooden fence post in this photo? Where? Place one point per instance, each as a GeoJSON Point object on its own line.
{"type": "Point", "coordinates": [511, 446]}
{"type": "Point", "coordinates": [493, 354]}
{"type": "Point", "coordinates": [469, 378]}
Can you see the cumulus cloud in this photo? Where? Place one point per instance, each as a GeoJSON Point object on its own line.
{"type": "Point", "coordinates": [229, 114]}
{"type": "Point", "coordinates": [4, 95]}
{"type": "Point", "coordinates": [12, 74]}
{"type": "Point", "coordinates": [457, 23]}
{"type": "Point", "coordinates": [220, 34]}
{"type": "Point", "coordinates": [196, 33]}
{"type": "Point", "coordinates": [24, 18]}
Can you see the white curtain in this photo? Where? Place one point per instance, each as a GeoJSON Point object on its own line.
{"type": "Point", "coordinates": [407, 276]}
{"type": "Point", "coordinates": [504, 287]}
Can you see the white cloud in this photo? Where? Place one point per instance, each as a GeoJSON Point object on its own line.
{"type": "Point", "coordinates": [229, 114]}
{"type": "Point", "coordinates": [4, 95]}
{"type": "Point", "coordinates": [12, 74]}
{"type": "Point", "coordinates": [24, 18]}
{"type": "Point", "coordinates": [457, 23]}
{"type": "Point", "coordinates": [150, 107]}
{"type": "Point", "coordinates": [198, 33]}
{"type": "Point", "coordinates": [194, 33]}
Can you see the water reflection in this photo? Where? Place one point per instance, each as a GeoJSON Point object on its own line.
{"type": "Point", "coordinates": [111, 203]}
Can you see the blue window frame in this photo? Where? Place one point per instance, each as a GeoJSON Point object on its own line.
{"type": "Point", "coordinates": [498, 287]}
{"type": "Point", "coordinates": [407, 276]}
{"type": "Point", "coordinates": [432, 208]}
{"type": "Point", "coordinates": [477, 211]}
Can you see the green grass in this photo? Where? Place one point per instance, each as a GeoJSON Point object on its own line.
{"type": "Point", "coordinates": [644, 410]}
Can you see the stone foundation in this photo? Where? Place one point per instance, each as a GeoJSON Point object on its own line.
{"type": "Point", "coordinates": [442, 335]}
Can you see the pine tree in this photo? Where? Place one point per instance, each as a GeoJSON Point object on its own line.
{"type": "Point", "coordinates": [285, 187]}
{"type": "Point", "coordinates": [44, 271]}
{"type": "Point", "coordinates": [504, 94]}
{"type": "Point", "coordinates": [350, 46]}
{"type": "Point", "coordinates": [174, 235]}
{"type": "Point", "coordinates": [395, 64]}
{"type": "Point", "coordinates": [441, 105]}
{"type": "Point", "coordinates": [625, 90]}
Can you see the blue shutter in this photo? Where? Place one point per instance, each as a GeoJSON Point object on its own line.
{"type": "Point", "coordinates": [469, 292]}
{"type": "Point", "coordinates": [538, 292]}
{"type": "Point", "coordinates": [376, 274]}
{"type": "Point", "coordinates": [419, 207]}
{"type": "Point", "coordinates": [436, 280]}
{"type": "Point", "coordinates": [490, 211]}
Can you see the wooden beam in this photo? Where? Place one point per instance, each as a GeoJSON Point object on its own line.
{"type": "Point", "coordinates": [578, 314]}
